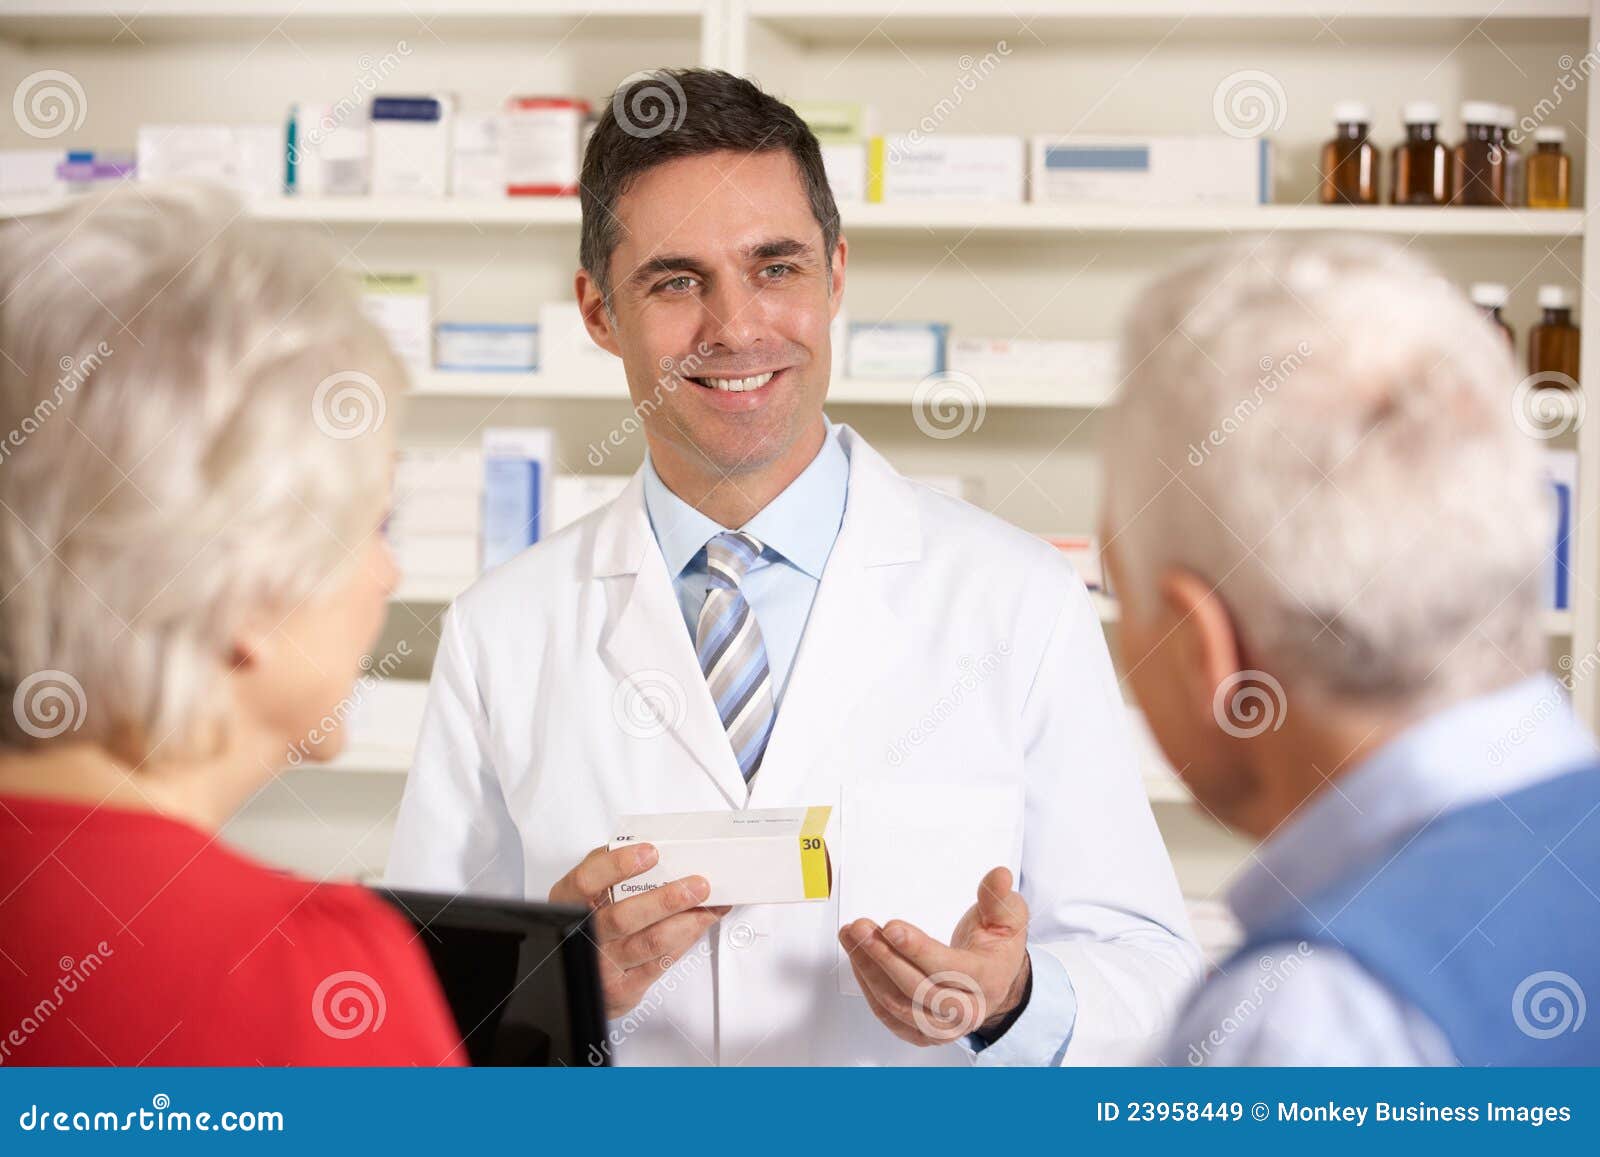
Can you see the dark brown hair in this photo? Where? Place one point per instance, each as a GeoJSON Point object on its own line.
{"type": "Point", "coordinates": [685, 112]}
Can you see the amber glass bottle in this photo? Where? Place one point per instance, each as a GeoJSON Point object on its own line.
{"type": "Point", "coordinates": [1422, 162]}
{"type": "Point", "coordinates": [1553, 343]}
{"type": "Point", "coordinates": [1549, 170]}
{"type": "Point", "coordinates": [1480, 162]}
{"type": "Point", "coordinates": [1349, 169]}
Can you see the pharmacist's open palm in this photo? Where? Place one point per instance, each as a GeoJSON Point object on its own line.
{"type": "Point", "coordinates": [641, 937]}
{"type": "Point", "coordinates": [930, 993]}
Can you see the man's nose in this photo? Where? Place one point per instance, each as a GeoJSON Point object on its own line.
{"type": "Point", "coordinates": [734, 319]}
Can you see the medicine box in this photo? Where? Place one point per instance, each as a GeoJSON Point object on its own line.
{"type": "Point", "coordinates": [486, 347]}
{"type": "Point", "coordinates": [894, 350]}
{"type": "Point", "coordinates": [756, 856]}
{"type": "Point", "coordinates": [1170, 171]}
{"type": "Point", "coordinates": [940, 168]}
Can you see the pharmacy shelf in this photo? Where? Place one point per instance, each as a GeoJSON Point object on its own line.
{"type": "Point", "coordinates": [843, 391]}
{"type": "Point", "coordinates": [130, 25]}
{"type": "Point", "coordinates": [1028, 22]}
{"type": "Point", "coordinates": [1020, 221]}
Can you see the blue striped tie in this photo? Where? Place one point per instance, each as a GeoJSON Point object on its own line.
{"type": "Point", "coordinates": [731, 653]}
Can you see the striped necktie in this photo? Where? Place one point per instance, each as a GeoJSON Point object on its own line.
{"type": "Point", "coordinates": [731, 653]}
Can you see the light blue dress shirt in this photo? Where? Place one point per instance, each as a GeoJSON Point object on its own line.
{"type": "Point", "coordinates": [797, 530]}
{"type": "Point", "coordinates": [1289, 1007]}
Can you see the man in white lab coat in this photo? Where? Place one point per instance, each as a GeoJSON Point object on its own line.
{"type": "Point", "coordinates": [771, 616]}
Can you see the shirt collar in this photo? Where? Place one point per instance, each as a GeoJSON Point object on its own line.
{"type": "Point", "coordinates": [800, 524]}
{"type": "Point", "coordinates": [1478, 749]}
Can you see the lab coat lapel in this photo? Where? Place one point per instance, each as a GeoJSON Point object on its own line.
{"type": "Point", "coordinates": [645, 641]}
{"type": "Point", "coordinates": [853, 636]}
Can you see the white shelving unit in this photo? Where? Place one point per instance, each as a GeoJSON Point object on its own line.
{"type": "Point", "coordinates": [993, 271]}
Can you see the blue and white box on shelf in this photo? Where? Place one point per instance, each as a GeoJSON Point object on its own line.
{"type": "Point", "coordinates": [896, 349]}
{"type": "Point", "coordinates": [1211, 170]}
{"type": "Point", "coordinates": [486, 347]}
{"type": "Point", "coordinates": [517, 466]}
{"type": "Point", "coordinates": [1561, 469]}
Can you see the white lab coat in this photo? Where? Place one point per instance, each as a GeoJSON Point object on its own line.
{"type": "Point", "coordinates": [531, 748]}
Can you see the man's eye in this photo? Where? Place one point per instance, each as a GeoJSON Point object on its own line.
{"type": "Point", "coordinates": [780, 269]}
{"type": "Point", "coordinates": [677, 284]}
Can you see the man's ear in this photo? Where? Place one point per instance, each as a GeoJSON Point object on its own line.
{"type": "Point", "coordinates": [1203, 631]}
{"type": "Point", "coordinates": [836, 284]}
{"type": "Point", "coordinates": [592, 304]}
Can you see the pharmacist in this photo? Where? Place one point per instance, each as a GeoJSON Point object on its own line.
{"type": "Point", "coordinates": [770, 616]}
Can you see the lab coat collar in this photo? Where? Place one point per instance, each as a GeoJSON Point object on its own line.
{"type": "Point", "coordinates": [881, 512]}
{"type": "Point", "coordinates": [850, 616]}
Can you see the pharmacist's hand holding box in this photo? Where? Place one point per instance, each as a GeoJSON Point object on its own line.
{"type": "Point", "coordinates": [929, 993]}
{"type": "Point", "coordinates": [640, 937]}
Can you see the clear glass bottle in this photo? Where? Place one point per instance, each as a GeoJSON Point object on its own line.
{"type": "Point", "coordinates": [1553, 342]}
{"type": "Point", "coordinates": [1349, 169]}
{"type": "Point", "coordinates": [1549, 170]}
{"type": "Point", "coordinates": [1423, 174]}
{"type": "Point", "coordinates": [1516, 167]}
{"type": "Point", "coordinates": [1480, 164]}
{"type": "Point", "coordinates": [1490, 296]}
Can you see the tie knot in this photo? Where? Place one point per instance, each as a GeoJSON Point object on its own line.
{"type": "Point", "coordinates": [730, 554]}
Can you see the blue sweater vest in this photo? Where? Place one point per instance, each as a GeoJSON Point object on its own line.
{"type": "Point", "coordinates": [1486, 919]}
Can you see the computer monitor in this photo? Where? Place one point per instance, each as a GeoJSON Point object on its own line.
{"type": "Point", "coordinates": [522, 979]}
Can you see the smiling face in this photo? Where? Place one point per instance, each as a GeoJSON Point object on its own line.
{"type": "Point", "coordinates": [722, 297]}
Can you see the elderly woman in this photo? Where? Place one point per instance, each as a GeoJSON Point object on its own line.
{"type": "Point", "coordinates": [194, 474]}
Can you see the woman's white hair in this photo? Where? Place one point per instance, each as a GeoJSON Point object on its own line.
{"type": "Point", "coordinates": [192, 430]}
{"type": "Point", "coordinates": [1324, 430]}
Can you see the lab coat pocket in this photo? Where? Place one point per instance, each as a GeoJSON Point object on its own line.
{"type": "Point", "coordinates": [916, 852]}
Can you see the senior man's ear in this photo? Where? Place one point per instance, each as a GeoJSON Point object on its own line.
{"type": "Point", "coordinates": [1203, 633]}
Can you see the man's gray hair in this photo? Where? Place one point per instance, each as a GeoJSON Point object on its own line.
{"type": "Point", "coordinates": [1324, 430]}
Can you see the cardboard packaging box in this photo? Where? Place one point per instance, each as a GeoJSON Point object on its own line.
{"type": "Point", "coordinates": [757, 856]}
{"type": "Point", "coordinates": [896, 349]}
{"type": "Point", "coordinates": [1173, 171]}
{"type": "Point", "coordinates": [946, 169]}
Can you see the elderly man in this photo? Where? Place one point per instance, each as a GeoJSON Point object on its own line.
{"type": "Point", "coordinates": [1329, 534]}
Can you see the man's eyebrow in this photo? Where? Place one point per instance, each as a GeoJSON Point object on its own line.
{"type": "Point", "coordinates": [778, 247]}
{"type": "Point", "coordinates": [667, 263]}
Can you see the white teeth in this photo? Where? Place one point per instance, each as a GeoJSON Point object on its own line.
{"type": "Point", "coordinates": [738, 385]}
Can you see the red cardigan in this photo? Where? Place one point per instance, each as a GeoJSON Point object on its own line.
{"type": "Point", "coordinates": [128, 938]}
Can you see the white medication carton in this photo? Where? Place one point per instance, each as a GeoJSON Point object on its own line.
{"type": "Point", "coordinates": [946, 169]}
{"type": "Point", "coordinates": [756, 856]}
{"type": "Point", "coordinates": [1212, 170]}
